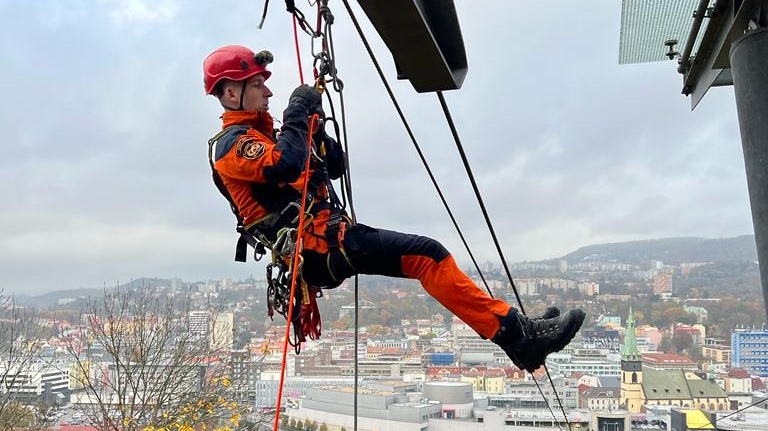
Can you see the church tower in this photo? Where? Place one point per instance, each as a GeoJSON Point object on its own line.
{"type": "Point", "coordinates": [631, 397]}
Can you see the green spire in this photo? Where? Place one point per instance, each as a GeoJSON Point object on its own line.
{"type": "Point", "coordinates": [630, 342]}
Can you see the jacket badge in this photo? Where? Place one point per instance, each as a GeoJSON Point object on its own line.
{"type": "Point", "coordinates": [250, 148]}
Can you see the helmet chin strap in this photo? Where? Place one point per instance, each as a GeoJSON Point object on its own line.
{"type": "Point", "coordinates": [242, 98]}
{"type": "Point", "coordinates": [242, 95]}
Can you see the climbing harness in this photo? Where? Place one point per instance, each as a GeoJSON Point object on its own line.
{"type": "Point", "coordinates": [261, 235]}
{"type": "Point", "coordinates": [279, 233]}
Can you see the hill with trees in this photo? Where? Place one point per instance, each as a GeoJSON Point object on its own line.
{"type": "Point", "coordinates": [670, 251]}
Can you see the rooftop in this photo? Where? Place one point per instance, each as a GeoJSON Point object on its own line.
{"type": "Point", "coordinates": [666, 358]}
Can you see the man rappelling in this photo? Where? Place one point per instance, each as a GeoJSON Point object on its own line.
{"type": "Point", "coordinates": [262, 173]}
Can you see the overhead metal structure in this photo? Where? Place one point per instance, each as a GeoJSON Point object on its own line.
{"type": "Point", "coordinates": [726, 44]}
{"type": "Point", "coordinates": [646, 25]}
{"type": "Point", "coordinates": [425, 41]}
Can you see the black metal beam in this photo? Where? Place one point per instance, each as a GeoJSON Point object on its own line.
{"type": "Point", "coordinates": [425, 41]}
{"type": "Point", "coordinates": [700, 74]}
{"type": "Point", "coordinates": [710, 66]}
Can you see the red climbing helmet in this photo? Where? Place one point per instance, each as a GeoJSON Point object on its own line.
{"type": "Point", "coordinates": [234, 62]}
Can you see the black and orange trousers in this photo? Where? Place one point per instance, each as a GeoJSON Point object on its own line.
{"type": "Point", "coordinates": [367, 250]}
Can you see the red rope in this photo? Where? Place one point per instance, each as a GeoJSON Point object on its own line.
{"type": "Point", "coordinates": [299, 234]}
{"type": "Point", "coordinates": [298, 52]}
{"type": "Point", "coordinates": [295, 266]}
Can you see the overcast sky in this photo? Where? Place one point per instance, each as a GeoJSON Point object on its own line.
{"type": "Point", "coordinates": [105, 124]}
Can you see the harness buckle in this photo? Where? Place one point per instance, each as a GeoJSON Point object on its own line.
{"type": "Point", "coordinates": [285, 244]}
{"type": "Point", "coordinates": [295, 218]}
{"type": "Point", "coordinates": [259, 250]}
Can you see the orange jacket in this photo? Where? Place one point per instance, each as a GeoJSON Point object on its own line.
{"type": "Point", "coordinates": [263, 172]}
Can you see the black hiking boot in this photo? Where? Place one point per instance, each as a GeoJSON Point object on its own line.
{"type": "Point", "coordinates": [549, 313]}
{"type": "Point", "coordinates": [528, 341]}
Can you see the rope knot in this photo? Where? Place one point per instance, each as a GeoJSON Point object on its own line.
{"type": "Point", "coordinates": [325, 12]}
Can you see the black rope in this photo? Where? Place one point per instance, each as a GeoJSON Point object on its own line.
{"type": "Point", "coordinates": [557, 397]}
{"type": "Point", "coordinates": [338, 86]}
{"type": "Point", "coordinates": [290, 6]}
{"type": "Point", "coordinates": [348, 175]}
{"type": "Point", "coordinates": [357, 360]}
{"type": "Point", "coordinates": [434, 182]}
{"type": "Point", "coordinates": [471, 176]}
{"type": "Point", "coordinates": [327, 60]}
{"type": "Point", "coordinates": [263, 15]}
{"type": "Point", "coordinates": [415, 143]}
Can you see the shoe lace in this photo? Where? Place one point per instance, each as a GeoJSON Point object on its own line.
{"type": "Point", "coordinates": [538, 327]}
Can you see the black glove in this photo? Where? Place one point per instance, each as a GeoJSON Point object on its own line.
{"type": "Point", "coordinates": [308, 97]}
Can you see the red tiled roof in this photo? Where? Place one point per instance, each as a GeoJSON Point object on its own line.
{"type": "Point", "coordinates": [738, 373]}
{"type": "Point", "coordinates": [679, 327]}
{"type": "Point", "coordinates": [539, 373]}
{"type": "Point", "coordinates": [491, 372]}
{"type": "Point", "coordinates": [757, 384]}
{"type": "Point", "coordinates": [514, 373]}
{"type": "Point", "coordinates": [433, 371]}
{"type": "Point", "coordinates": [472, 373]}
{"type": "Point", "coordinates": [495, 372]}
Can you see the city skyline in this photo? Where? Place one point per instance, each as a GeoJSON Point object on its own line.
{"type": "Point", "coordinates": [738, 248]}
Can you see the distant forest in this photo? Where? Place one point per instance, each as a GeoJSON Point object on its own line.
{"type": "Point", "coordinates": [670, 251]}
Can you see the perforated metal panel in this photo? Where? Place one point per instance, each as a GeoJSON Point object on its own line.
{"type": "Point", "coordinates": [647, 24]}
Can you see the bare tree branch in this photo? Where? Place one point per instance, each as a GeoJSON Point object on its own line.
{"type": "Point", "coordinates": [141, 364]}
{"type": "Point", "coordinates": [20, 366]}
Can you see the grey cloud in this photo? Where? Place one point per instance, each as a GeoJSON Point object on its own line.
{"type": "Point", "coordinates": [105, 175]}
